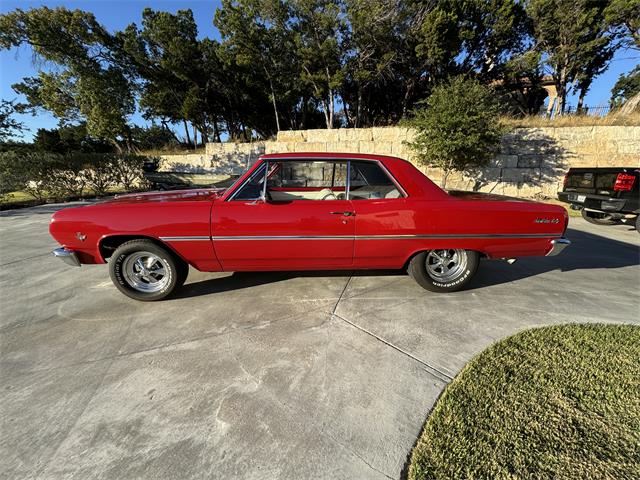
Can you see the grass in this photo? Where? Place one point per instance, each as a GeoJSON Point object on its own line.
{"type": "Point", "coordinates": [572, 120]}
{"type": "Point", "coordinates": [559, 402]}
{"type": "Point", "coordinates": [570, 211]}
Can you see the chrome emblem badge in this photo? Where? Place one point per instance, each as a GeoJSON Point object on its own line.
{"type": "Point", "coordinates": [546, 220]}
{"type": "Point", "coordinates": [81, 236]}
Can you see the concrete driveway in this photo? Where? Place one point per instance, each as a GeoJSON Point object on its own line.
{"type": "Point", "coordinates": [269, 375]}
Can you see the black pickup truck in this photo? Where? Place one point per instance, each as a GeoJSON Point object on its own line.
{"type": "Point", "coordinates": [605, 196]}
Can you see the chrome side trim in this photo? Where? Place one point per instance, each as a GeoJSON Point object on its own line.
{"type": "Point", "coordinates": [185, 239]}
{"type": "Point", "coordinates": [67, 256]}
{"type": "Point", "coordinates": [557, 246]}
{"type": "Point", "coordinates": [382, 237]}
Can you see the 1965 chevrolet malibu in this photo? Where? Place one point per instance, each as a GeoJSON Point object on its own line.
{"type": "Point", "coordinates": [310, 211]}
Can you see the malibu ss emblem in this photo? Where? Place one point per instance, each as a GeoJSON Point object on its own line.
{"type": "Point", "coordinates": [546, 220]}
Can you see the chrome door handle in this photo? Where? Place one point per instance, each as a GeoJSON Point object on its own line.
{"type": "Point", "coordinates": [346, 214]}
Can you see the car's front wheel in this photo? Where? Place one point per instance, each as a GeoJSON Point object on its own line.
{"type": "Point", "coordinates": [145, 271]}
{"type": "Point", "coordinates": [444, 270]}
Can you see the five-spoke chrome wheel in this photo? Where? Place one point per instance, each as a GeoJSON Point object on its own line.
{"type": "Point", "coordinates": [446, 265]}
{"type": "Point", "coordinates": [444, 270]}
{"type": "Point", "coordinates": [146, 272]}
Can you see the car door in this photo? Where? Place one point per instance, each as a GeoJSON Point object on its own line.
{"type": "Point", "coordinates": [385, 223]}
{"type": "Point", "coordinates": [301, 219]}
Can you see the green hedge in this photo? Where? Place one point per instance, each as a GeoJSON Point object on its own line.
{"type": "Point", "coordinates": [49, 175]}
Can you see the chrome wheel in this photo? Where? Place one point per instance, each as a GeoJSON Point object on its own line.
{"type": "Point", "coordinates": [146, 272]}
{"type": "Point", "coordinates": [446, 265]}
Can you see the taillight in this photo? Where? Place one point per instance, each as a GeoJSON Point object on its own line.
{"type": "Point", "coordinates": [624, 182]}
{"type": "Point", "coordinates": [564, 182]}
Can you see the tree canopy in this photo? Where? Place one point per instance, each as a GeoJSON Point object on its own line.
{"type": "Point", "coordinates": [295, 64]}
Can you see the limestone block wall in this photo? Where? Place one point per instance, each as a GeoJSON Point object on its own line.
{"type": "Point", "coordinates": [218, 159]}
{"type": "Point", "coordinates": [531, 163]}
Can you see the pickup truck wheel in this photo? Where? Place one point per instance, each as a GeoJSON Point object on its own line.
{"type": "Point", "coordinates": [145, 271]}
{"type": "Point", "coordinates": [598, 218]}
{"type": "Point", "coordinates": [445, 270]}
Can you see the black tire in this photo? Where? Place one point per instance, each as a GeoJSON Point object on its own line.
{"type": "Point", "coordinates": [122, 261]}
{"type": "Point", "coordinates": [598, 218]}
{"type": "Point", "coordinates": [418, 270]}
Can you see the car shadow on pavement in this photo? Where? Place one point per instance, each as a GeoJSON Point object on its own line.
{"type": "Point", "coordinates": [241, 280]}
{"type": "Point", "coordinates": [588, 251]}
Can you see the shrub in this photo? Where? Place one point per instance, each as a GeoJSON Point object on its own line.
{"type": "Point", "coordinates": [67, 177]}
{"type": "Point", "coordinates": [99, 173]}
{"type": "Point", "coordinates": [10, 177]}
{"type": "Point", "coordinates": [458, 129]}
{"type": "Point", "coordinates": [50, 175]}
{"type": "Point", "coordinates": [127, 170]}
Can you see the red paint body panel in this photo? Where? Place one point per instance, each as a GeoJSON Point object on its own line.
{"type": "Point", "coordinates": [222, 234]}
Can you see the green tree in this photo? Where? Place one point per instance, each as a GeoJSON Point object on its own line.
{"type": "Point", "coordinates": [260, 36]}
{"type": "Point", "coordinates": [470, 36]}
{"type": "Point", "coordinates": [627, 87]}
{"type": "Point", "coordinates": [573, 40]}
{"type": "Point", "coordinates": [457, 129]}
{"type": "Point", "coordinates": [319, 26]}
{"type": "Point", "coordinates": [624, 16]}
{"type": "Point", "coordinates": [378, 61]}
{"type": "Point", "coordinates": [89, 83]}
{"type": "Point", "coordinates": [9, 126]}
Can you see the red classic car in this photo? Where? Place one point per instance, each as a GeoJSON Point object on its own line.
{"type": "Point", "coordinates": [307, 211]}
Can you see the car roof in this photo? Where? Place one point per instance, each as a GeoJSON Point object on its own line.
{"type": "Point", "coordinates": [410, 178]}
{"type": "Point", "coordinates": [330, 156]}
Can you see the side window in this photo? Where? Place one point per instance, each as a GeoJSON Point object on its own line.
{"type": "Point", "coordinates": [252, 189]}
{"type": "Point", "coordinates": [369, 181]}
{"type": "Point", "coordinates": [307, 180]}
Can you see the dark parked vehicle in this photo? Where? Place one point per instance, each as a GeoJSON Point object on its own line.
{"type": "Point", "coordinates": [605, 196]}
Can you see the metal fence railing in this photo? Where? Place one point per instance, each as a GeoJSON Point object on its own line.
{"type": "Point", "coordinates": [593, 111]}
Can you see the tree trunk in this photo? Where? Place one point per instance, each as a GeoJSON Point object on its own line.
{"type": "Point", "coordinates": [331, 108]}
{"type": "Point", "coordinates": [186, 132]}
{"type": "Point", "coordinates": [216, 132]}
{"type": "Point", "coordinates": [204, 134]}
{"type": "Point", "coordinates": [195, 136]}
{"type": "Point", "coordinates": [359, 108]}
{"type": "Point", "coordinates": [445, 176]}
{"type": "Point", "coordinates": [583, 92]}
{"type": "Point", "coordinates": [275, 106]}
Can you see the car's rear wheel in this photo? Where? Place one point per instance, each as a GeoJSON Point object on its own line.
{"type": "Point", "coordinates": [145, 271]}
{"type": "Point", "coordinates": [444, 270]}
{"type": "Point", "coordinates": [598, 218]}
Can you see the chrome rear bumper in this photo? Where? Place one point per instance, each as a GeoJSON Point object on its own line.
{"type": "Point", "coordinates": [67, 256]}
{"type": "Point", "coordinates": [557, 246]}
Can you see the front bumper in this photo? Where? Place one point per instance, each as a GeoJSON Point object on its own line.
{"type": "Point", "coordinates": [557, 246]}
{"type": "Point", "coordinates": [67, 256]}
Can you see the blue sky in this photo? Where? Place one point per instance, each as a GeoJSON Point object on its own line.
{"type": "Point", "coordinates": [117, 14]}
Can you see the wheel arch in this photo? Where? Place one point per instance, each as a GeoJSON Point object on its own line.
{"type": "Point", "coordinates": [109, 243]}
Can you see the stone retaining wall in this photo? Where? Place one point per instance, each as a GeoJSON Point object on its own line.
{"type": "Point", "coordinates": [218, 159]}
{"type": "Point", "coordinates": [532, 161]}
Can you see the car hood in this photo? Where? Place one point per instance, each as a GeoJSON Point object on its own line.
{"type": "Point", "coordinates": [200, 194]}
